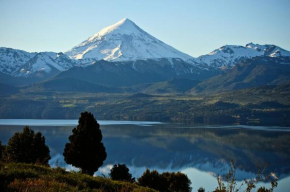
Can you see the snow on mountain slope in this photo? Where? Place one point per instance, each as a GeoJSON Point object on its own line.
{"type": "Point", "coordinates": [43, 62]}
{"type": "Point", "coordinates": [40, 62]}
{"type": "Point", "coordinates": [12, 59]}
{"type": "Point", "coordinates": [229, 55]}
{"type": "Point", "coordinates": [64, 61]}
{"type": "Point", "coordinates": [21, 63]}
{"type": "Point", "coordinates": [269, 50]}
{"type": "Point", "coordinates": [124, 41]}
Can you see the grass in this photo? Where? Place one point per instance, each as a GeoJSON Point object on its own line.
{"type": "Point", "coordinates": [28, 177]}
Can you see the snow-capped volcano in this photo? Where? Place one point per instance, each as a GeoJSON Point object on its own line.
{"type": "Point", "coordinates": [124, 41]}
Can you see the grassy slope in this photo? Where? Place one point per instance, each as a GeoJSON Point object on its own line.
{"type": "Point", "coordinates": [26, 177]}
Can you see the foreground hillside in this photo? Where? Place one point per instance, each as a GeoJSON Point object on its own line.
{"type": "Point", "coordinates": [26, 177]}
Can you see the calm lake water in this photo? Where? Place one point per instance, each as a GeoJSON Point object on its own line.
{"type": "Point", "coordinates": [201, 152]}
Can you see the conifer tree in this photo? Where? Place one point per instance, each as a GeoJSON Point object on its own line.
{"type": "Point", "coordinates": [85, 149]}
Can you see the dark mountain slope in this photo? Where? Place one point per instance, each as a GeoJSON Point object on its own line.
{"type": "Point", "coordinates": [137, 72]}
{"type": "Point", "coordinates": [15, 81]}
{"type": "Point", "coordinates": [249, 73]}
{"type": "Point", "coordinates": [69, 84]}
{"type": "Point", "coordinates": [7, 89]}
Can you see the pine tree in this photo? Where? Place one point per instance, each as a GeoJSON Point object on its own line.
{"type": "Point", "coordinates": [85, 149]}
{"type": "Point", "coordinates": [166, 181]}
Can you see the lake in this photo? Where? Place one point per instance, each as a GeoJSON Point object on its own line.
{"type": "Point", "coordinates": [201, 152]}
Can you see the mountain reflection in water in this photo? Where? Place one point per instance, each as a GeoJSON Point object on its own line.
{"type": "Point", "coordinates": [202, 152]}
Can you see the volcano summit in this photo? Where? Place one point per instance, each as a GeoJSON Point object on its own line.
{"type": "Point", "coordinates": [124, 41]}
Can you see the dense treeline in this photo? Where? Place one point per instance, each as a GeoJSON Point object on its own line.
{"type": "Point", "coordinates": [196, 112]}
{"type": "Point", "coordinates": [156, 109]}
{"type": "Point", "coordinates": [266, 105]}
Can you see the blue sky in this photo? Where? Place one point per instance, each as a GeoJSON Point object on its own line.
{"type": "Point", "coordinates": [194, 27]}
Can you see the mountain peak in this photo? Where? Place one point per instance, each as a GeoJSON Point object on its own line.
{"type": "Point", "coordinates": [124, 41]}
{"type": "Point", "coordinates": [125, 20]}
{"type": "Point", "coordinates": [125, 26]}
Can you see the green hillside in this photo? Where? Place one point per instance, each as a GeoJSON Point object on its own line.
{"type": "Point", "coordinates": [173, 85]}
{"type": "Point", "coordinates": [28, 177]}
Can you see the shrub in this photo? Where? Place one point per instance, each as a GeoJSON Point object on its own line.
{"type": "Point", "coordinates": [27, 147]}
{"type": "Point", "coordinates": [201, 189]}
{"type": "Point", "coordinates": [153, 180]}
{"type": "Point", "coordinates": [177, 181]}
{"type": "Point", "coordinates": [165, 181]}
{"type": "Point", "coordinates": [120, 172]}
{"type": "Point", "coordinates": [232, 186]}
{"type": "Point", "coordinates": [39, 185]}
{"type": "Point", "coordinates": [85, 149]}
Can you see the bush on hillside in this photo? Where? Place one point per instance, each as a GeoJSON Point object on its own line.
{"type": "Point", "coordinates": [177, 181]}
{"type": "Point", "coordinates": [120, 172]}
{"type": "Point", "coordinates": [165, 181]}
{"type": "Point", "coordinates": [27, 147]}
{"type": "Point", "coordinates": [229, 184]}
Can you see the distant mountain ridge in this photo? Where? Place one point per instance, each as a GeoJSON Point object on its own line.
{"type": "Point", "coordinates": [20, 63]}
{"type": "Point", "coordinates": [11, 60]}
{"type": "Point", "coordinates": [229, 55]}
{"type": "Point", "coordinates": [126, 42]}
